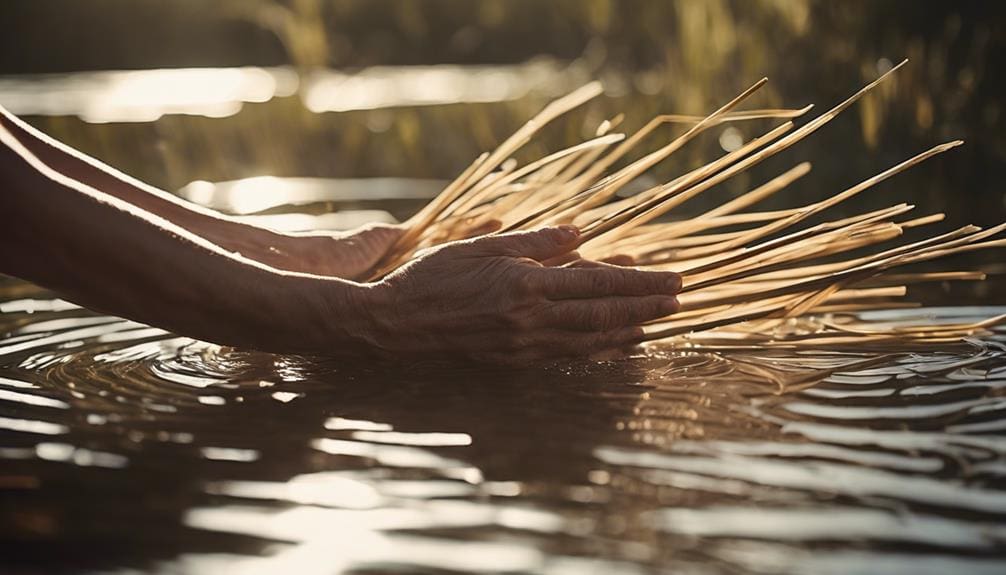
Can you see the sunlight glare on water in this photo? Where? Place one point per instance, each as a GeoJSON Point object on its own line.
{"type": "Point", "coordinates": [125, 449]}
{"type": "Point", "coordinates": [670, 460]}
{"type": "Point", "coordinates": [145, 95]}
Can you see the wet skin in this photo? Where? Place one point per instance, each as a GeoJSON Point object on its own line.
{"type": "Point", "coordinates": [109, 242]}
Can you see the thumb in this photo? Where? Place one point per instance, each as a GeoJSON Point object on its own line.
{"type": "Point", "coordinates": [382, 234]}
{"type": "Point", "coordinates": [538, 245]}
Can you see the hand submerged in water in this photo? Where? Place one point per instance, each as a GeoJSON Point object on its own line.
{"type": "Point", "coordinates": [491, 299]}
{"type": "Point", "coordinates": [109, 242]}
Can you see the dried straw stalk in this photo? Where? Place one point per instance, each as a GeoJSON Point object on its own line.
{"type": "Point", "coordinates": [750, 277]}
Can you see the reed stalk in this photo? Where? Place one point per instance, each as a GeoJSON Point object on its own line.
{"type": "Point", "coordinates": [751, 278]}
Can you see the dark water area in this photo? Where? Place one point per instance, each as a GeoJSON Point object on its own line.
{"type": "Point", "coordinates": [125, 449]}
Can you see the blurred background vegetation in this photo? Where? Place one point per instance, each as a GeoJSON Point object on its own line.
{"type": "Point", "coordinates": [654, 56]}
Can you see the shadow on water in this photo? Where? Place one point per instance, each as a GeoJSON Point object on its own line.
{"type": "Point", "coordinates": [125, 446]}
{"type": "Point", "coordinates": [138, 432]}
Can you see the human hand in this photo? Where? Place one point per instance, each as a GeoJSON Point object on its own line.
{"type": "Point", "coordinates": [347, 255]}
{"type": "Point", "coordinates": [350, 255]}
{"type": "Point", "coordinates": [491, 299]}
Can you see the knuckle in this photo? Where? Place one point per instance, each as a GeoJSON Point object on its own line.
{"type": "Point", "coordinates": [599, 318]}
{"type": "Point", "coordinates": [525, 284]}
{"type": "Point", "coordinates": [602, 283]}
{"type": "Point", "coordinates": [516, 341]}
{"type": "Point", "coordinates": [646, 282]}
{"type": "Point", "coordinates": [516, 321]}
{"type": "Point", "coordinates": [633, 311]}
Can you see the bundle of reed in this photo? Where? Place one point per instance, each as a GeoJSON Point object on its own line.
{"type": "Point", "coordinates": [750, 277]}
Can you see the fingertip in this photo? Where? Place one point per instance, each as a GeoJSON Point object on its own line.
{"type": "Point", "coordinates": [620, 260]}
{"type": "Point", "coordinates": [669, 305]}
{"type": "Point", "coordinates": [566, 233]}
{"type": "Point", "coordinates": [673, 282]}
{"type": "Point", "coordinates": [633, 334]}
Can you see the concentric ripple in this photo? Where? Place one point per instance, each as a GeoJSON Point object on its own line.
{"type": "Point", "coordinates": [126, 448]}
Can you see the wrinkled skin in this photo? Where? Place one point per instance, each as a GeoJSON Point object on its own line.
{"type": "Point", "coordinates": [109, 242]}
{"type": "Point", "coordinates": [491, 299]}
{"type": "Point", "coordinates": [348, 255]}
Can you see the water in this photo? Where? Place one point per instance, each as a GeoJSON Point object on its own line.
{"type": "Point", "coordinates": [127, 449]}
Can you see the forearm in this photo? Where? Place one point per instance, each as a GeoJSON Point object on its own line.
{"type": "Point", "coordinates": [225, 231]}
{"type": "Point", "coordinates": [107, 254]}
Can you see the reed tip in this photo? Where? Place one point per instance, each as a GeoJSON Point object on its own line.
{"type": "Point", "coordinates": [595, 88]}
{"type": "Point", "coordinates": [948, 145]}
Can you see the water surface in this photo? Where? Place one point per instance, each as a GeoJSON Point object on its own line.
{"type": "Point", "coordinates": [125, 449]}
{"type": "Point", "coordinates": [128, 449]}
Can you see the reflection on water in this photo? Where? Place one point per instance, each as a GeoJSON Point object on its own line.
{"type": "Point", "coordinates": [144, 95]}
{"type": "Point", "coordinates": [127, 448]}
{"type": "Point", "coordinates": [339, 203]}
{"type": "Point", "coordinates": [388, 86]}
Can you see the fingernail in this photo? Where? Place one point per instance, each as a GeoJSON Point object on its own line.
{"type": "Point", "coordinates": [674, 283]}
{"type": "Point", "coordinates": [568, 233]}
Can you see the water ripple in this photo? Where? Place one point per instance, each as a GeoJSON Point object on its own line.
{"type": "Point", "coordinates": [125, 448]}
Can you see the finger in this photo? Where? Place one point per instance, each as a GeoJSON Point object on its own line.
{"type": "Point", "coordinates": [619, 260]}
{"type": "Point", "coordinates": [539, 245]}
{"type": "Point", "coordinates": [567, 258]}
{"type": "Point", "coordinates": [607, 313]}
{"type": "Point", "coordinates": [562, 343]}
{"type": "Point", "coordinates": [582, 263]}
{"type": "Point", "coordinates": [548, 345]}
{"type": "Point", "coordinates": [603, 281]}
{"type": "Point", "coordinates": [483, 228]}
{"type": "Point", "coordinates": [381, 235]}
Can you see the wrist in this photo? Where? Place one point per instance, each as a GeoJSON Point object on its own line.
{"type": "Point", "coordinates": [373, 302]}
{"type": "Point", "coordinates": [347, 318]}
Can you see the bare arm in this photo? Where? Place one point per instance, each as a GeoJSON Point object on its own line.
{"type": "Point", "coordinates": [92, 172]}
{"type": "Point", "coordinates": [107, 254]}
{"type": "Point", "coordinates": [487, 299]}
{"type": "Point", "coordinates": [346, 255]}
